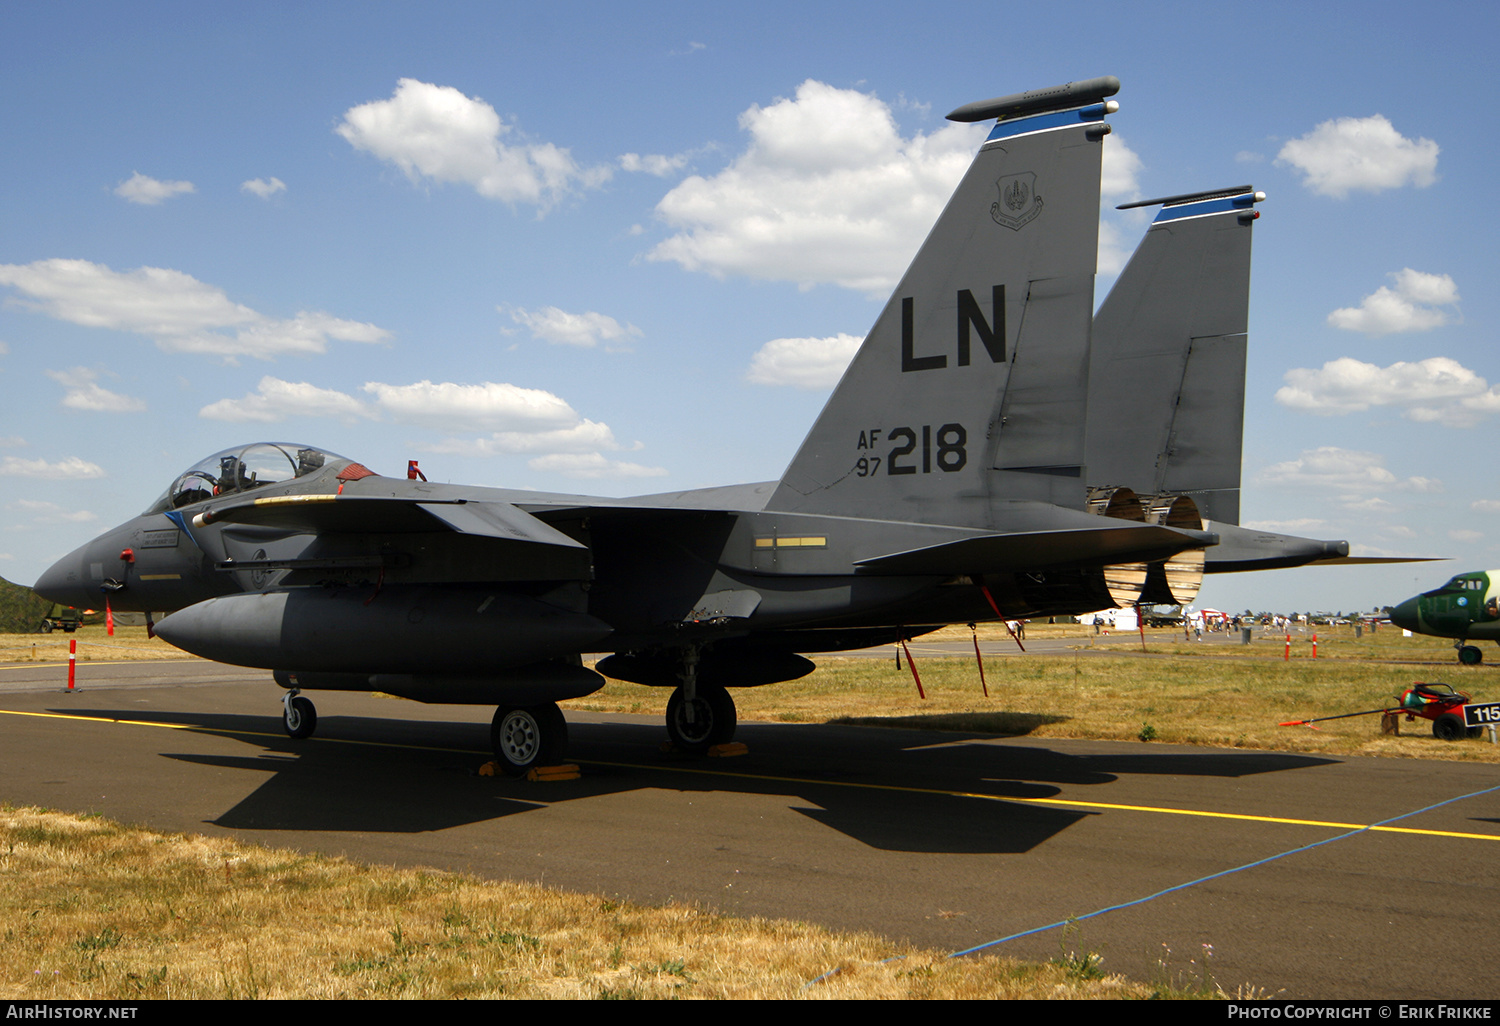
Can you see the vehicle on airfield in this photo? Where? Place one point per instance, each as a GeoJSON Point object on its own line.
{"type": "Point", "coordinates": [995, 450]}
{"type": "Point", "coordinates": [66, 618]}
{"type": "Point", "coordinates": [1466, 608]}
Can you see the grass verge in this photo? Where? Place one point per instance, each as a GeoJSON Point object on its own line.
{"type": "Point", "coordinates": [128, 644]}
{"type": "Point", "coordinates": [1228, 701]}
{"type": "Point", "coordinates": [93, 910]}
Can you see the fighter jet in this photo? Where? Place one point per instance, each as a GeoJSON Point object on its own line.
{"type": "Point", "coordinates": [1466, 608]}
{"type": "Point", "coordinates": [974, 463]}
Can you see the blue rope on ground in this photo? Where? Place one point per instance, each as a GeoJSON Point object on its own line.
{"type": "Point", "coordinates": [1190, 883]}
{"type": "Point", "coordinates": [1215, 876]}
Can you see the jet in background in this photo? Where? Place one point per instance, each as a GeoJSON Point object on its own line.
{"type": "Point", "coordinates": [992, 452]}
{"type": "Point", "coordinates": [1466, 608]}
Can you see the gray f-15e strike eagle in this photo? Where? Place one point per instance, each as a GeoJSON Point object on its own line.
{"type": "Point", "coordinates": [993, 450]}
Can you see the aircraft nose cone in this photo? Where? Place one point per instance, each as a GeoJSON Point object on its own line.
{"type": "Point", "coordinates": [65, 582]}
{"type": "Point", "coordinates": [1405, 615]}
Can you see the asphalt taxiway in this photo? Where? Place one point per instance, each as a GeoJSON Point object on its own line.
{"type": "Point", "coordinates": [948, 840]}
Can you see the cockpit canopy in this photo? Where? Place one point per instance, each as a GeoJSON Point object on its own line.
{"type": "Point", "coordinates": [241, 469]}
{"type": "Point", "coordinates": [1464, 583]}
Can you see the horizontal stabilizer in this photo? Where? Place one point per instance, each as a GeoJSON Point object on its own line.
{"type": "Point", "coordinates": [1242, 548]}
{"type": "Point", "coordinates": [1370, 560]}
{"type": "Point", "coordinates": [1121, 542]}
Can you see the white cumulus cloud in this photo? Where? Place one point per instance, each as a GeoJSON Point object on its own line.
{"type": "Point", "coordinates": [1115, 250]}
{"type": "Point", "coordinates": [148, 191]}
{"type": "Point", "coordinates": [1360, 154]}
{"type": "Point", "coordinates": [1119, 180]}
{"type": "Point", "coordinates": [263, 188]}
{"type": "Point", "coordinates": [1296, 526]}
{"type": "Point", "coordinates": [828, 190]}
{"type": "Point", "coordinates": [584, 437]}
{"type": "Point", "coordinates": [436, 132]}
{"type": "Point", "coordinates": [52, 513]}
{"type": "Point", "coordinates": [275, 400]}
{"type": "Point", "coordinates": [1119, 173]}
{"type": "Point", "coordinates": [653, 163]}
{"type": "Point", "coordinates": [1345, 470]}
{"type": "Point", "coordinates": [1436, 389]}
{"type": "Point", "coordinates": [1413, 303]}
{"type": "Point", "coordinates": [520, 420]}
{"type": "Point", "coordinates": [1485, 505]}
{"type": "Point", "coordinates": [177, 311]}
{"type": "Point", "coordinates": [84, 393]}
{"type": "Point", "coordinates": [489, 406]}
{"type": "Point", "coordinates": [809, 363]}
{"type": "Point", "coordinates": [592, 465]}
{"type": "Point", "coordinates": [572, 329]}
{"type": "Point", "coordinates": [70, 468]}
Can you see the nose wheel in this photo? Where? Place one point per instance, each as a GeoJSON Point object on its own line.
{"type": "Point", "coordinates": [526, 737]}
{"type": "Point", "coordinates": [298, 717]}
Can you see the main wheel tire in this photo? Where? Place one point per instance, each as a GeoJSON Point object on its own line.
{"type": "Point", "coordinates": [1449, 727]}
{"type": "Point", "coordinates": [712, 723]}
{"type": "Point", "coordinates": [300, 718]}
{"type": "Point", "coordinates": [1470, 655]}
{"type": "Point", "coordinates": [526, 737]}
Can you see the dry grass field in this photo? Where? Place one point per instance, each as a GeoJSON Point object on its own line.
{"type": "Point", "coordinates": [96, 911]}
{"type": "Point", "coordinates": [1200, 693]}
{"type": "Point", "coordinates": [129, 644]}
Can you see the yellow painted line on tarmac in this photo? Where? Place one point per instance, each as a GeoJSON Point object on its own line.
{"type": "Point", "coordinates": [1053, 801]}
{"type": "Point", "coordinates": [100, 719]}
{"type": "Point", "coordinates": [807, 781]}
{"type": "Point", "coordinates": [97, 662]}
{"type": "Point", "coordinates": [226, 732]}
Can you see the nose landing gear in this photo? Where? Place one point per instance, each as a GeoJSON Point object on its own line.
{"type": "Point", "coordinates": [298, 717]}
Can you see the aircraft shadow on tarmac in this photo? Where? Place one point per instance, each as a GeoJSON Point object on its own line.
{"type": "Point", "coordinates": [875, 785]}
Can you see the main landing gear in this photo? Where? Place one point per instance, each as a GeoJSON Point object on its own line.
{"type": "Point", "coordinates": [524, 738]}
{"type": "Point", "coordinates": [1469, 655]}
{"type": "Point", "coordinates": [697, 724]}
{"type": "Point", "coordinates": [699, 715]}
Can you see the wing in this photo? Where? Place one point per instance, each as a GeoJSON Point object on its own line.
{"type": "Point", "coordinates": [409, 540]}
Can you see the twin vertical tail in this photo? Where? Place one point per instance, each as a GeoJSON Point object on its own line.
{"type": "Point", "coordinates": [1166, 390]}
{"type": "Point", "coordinates": [988, 393]}
{"type": "Point", "coordinates": [970, 391]}
{"type": "Point", "coordinates": [1166, 387]}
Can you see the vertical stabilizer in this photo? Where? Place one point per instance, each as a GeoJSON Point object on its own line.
{"type": "Point", "coordinates": [926, 424]}
{"type": "Point", "coordinates": [1167, 372]}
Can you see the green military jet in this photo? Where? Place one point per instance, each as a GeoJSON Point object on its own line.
{"type": "Point", "coordinates": [1466, 608]}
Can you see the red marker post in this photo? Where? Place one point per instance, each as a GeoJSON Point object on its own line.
{"type": "Point", "coordinates": [1287, 657]}
{"type": "Point", "coordinates": [72, 660]}
{"type": "Point", "coordinates": [1315, 646]}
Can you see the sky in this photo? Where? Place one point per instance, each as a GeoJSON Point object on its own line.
{"type": "Point", "coordinates": [622, 249]}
